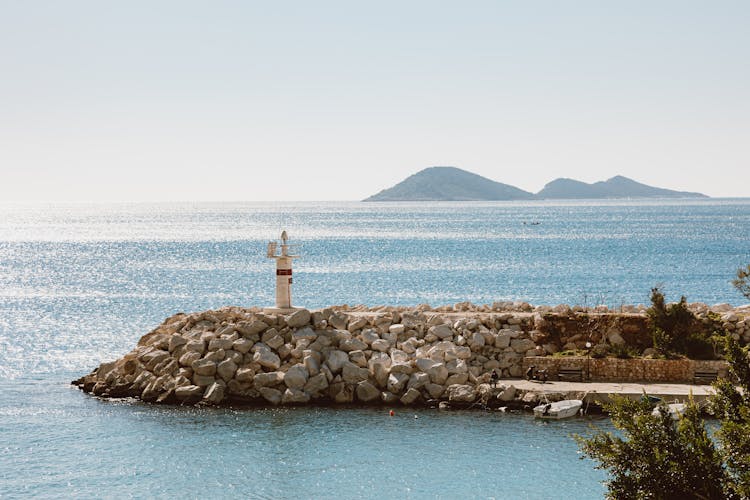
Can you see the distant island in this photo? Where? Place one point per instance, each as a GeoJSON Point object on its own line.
{"type": "Point", "coordinates": [455, 184]}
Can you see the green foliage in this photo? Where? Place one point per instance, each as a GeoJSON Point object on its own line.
{"type": "Point", "coordinates": [672, 326]}
{"type": "Point", "coordinates": [698, 346]}
{"type": "Point", "coordinates": [656, 458]}
{"type": "Point", "coordinates": [742, 282]}
{"type": "Point", "coordinates": [732, 406]}
{"type": "Point", "coordinates": [660, 459]}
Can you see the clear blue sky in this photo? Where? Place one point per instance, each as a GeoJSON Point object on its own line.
{"type": "Point", "coordinates": [185, 100]}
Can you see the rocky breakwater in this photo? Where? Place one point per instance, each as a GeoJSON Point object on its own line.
{"type": "Point", "coordinates": [236, 356]}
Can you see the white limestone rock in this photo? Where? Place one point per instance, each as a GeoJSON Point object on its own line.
{"type": "Point", "coordinates": [267, 379]}
{"type": "Point", "coordinates": [353, 374]}
{"type": "Point", "coordinates": [396, 382]}
{"type": "Point", "coordinates": [298, 318]}
{"type": "Point", "coordinates": [294, 396]}
{"type": "Point", "coordinates": [418, 380]}
{"type": "Point", "coordinates": [296, 377]}
{"type": "Point", "coordinates": [214, 393]}
{"type": "Point", "coordinates": [273, 396]}
{"type": "Point", "coordinates": [244, 374]}
{"type": "Point", "coordinates": [204, 367]}
{"type": "Point", "coordinates": [353, 344]}
{"type": "Point", "coordinates": [267, 359]}
{"type": "Point", "coordinates": [381, 345]}
{"type": "Point", "coordinates": [226, 369]}
{"type": "Point", "coordinates": [434, 390]}
{"type": "Point", "coordinates": [335, 361]}
{"type": "Point", "coordinates": [398, 328]}
{"type": "Point", "coordinates": [461, 393]}
{"type": "Point", "coordinates": [522, 345]}
{"type": "Point", "coordinates": [441, 331]}
{"type": "Point", "coordinates": [316, 383]}
{"type": "Point", "coordinates": [189, 393]}
{"type": "Point", "coordinates": [410, 396]}
{"type": "Point", "coordinates": [367, 392]}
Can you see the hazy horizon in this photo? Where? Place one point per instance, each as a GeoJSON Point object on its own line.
{"type": "Point", "coordinates": [249, 101]}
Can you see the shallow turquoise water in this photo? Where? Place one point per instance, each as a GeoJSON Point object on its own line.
{"type": "Point", "coordinates": [80, 284]}
{"type": "Point", "coordinates": [58, 442]}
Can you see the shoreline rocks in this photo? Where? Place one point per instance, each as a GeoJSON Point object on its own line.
{"type": "Point", "coordinates": [342, 355]}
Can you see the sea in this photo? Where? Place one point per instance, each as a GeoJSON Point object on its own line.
{"type": "Point", "coordinates": [81, 283]}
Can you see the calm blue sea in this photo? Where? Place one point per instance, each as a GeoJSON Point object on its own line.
{"type": "Point", "coordinates": [79, 284]}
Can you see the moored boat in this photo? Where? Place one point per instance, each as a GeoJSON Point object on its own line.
{"type": "Point", "coordinates": [675, 410]}
{"type": "Point", "coordinates": [559, 409]}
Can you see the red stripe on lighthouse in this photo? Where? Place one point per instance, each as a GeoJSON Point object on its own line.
{"type": "Point", "coordinates": [283, 272]}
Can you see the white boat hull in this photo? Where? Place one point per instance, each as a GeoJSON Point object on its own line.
{"type": "Point", "coordinates": [560, 409]}
{"type": "Point", "coordinates": [675, 410]}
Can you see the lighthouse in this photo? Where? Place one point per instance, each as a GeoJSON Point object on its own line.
{"type": "Point", "coordinates": [283, 276]}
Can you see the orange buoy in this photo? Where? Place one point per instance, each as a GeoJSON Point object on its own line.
{"type": "Point", "coordinates": [391, 413]}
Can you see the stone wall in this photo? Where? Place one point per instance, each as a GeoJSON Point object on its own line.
{"type": "Point", "coordinates": [627, 370]}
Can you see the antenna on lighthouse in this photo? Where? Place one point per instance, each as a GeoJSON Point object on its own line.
{"type": "Point", "coordinates": [283, 276]}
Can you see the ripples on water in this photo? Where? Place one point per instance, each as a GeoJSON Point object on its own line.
{"type": "Point", "coordinates": [82, 447]}
{"type": "Point", "coordinates": [79, 284]}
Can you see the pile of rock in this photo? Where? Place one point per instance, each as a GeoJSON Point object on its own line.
{"type": "Point", "coordinates": [344, 355]}
{"type": "Point", "coordinates": [241, 355]}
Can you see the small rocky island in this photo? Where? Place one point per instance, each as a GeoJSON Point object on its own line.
{"type": "Point", "coordinates": [388, 355]}
{"type": "Point", "coordinates": [455, 184]}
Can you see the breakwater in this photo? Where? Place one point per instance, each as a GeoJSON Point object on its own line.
{"type": "Point", "coordinates": [385, 355]}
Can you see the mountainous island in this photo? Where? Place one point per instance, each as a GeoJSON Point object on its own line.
{"type": "Point", "coordinates": [455, 184]}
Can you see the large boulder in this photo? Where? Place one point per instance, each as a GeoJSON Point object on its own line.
{"type": "Point", "coordinates": [197, 346]}
{"type": "Point", "coordinates": [296, 377]}
{"type": "Point", "coordinates": [226, 369]}
{"type": "Point", "coordinates": [204, 367]}
{"type": "Point", "coordinates": [367, 392]}
{"type": "Point", "coordinates": [353, 344]}
{"type": "Point", "coordinates": [410, 396]}
{"type": "Point", "coordinates": [522, 345]}
{"type": "Point", "coordinates": [298, 318]}
{"type": "Point", "coordinates": [461, 393]}
{"type": "Point", "coordinates": [503, 339]}
{"type": "Point", "coordinates": [175, 341]}
{"type": "Point", "coordinates": [441, 331]}
{"type": "Point", "coordinates": [189, 393]}
{"type": "Point", "coordinates": [316, 383]}
{"type": "Point", "coordinates": [335, 361]}
{"type": "Point", "coordinates": [396, 382]}
{"type": "Point", "coordinates": [294, 396]}
{"type": "Point", "coordinates": [306, 333]}
{"type": "Point", "coordinates": [273, 396]}
{"type": "Point", "coordinates": [220, 343]}
{"type": "Point", "coordinates": [214, 393]}
{"type": "Point", "coordinates": [353, 374]}
{"type": "Point", "coordinates": [244, 374]}
{"type": "Point", "coordinates": [418, 380]}
{"type": "Point", "coordinates": [381, 345]}
{"type": "Point", "coordinates": [267, 358]}
{"type": "Point", "coordinates": [434, 390]}
{"type": "Point", "coordinates": [268, 379]}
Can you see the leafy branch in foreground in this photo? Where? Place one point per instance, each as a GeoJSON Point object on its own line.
{"type": "Point", "coordinates": [662, 459]}
{"type": "Point", "coordinates": [656, 458]}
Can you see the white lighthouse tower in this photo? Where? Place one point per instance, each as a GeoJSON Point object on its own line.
{"type": "Point", "coordinates": [283, 276]}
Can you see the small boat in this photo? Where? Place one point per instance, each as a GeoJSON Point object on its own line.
{"type": "Point", "coordinates": [560, 409]}
{"type": "Point", "coordinates": [675, 410]}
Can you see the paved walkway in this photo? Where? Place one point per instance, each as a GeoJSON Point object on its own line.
{"type": "Point", "coordinates": [599, 391]}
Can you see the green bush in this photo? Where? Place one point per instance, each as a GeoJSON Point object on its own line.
{"type": "Point", "coordinates": [674, 329]}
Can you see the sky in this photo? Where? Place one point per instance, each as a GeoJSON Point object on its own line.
{"type": "Point", "coordinates": [336, 100]}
